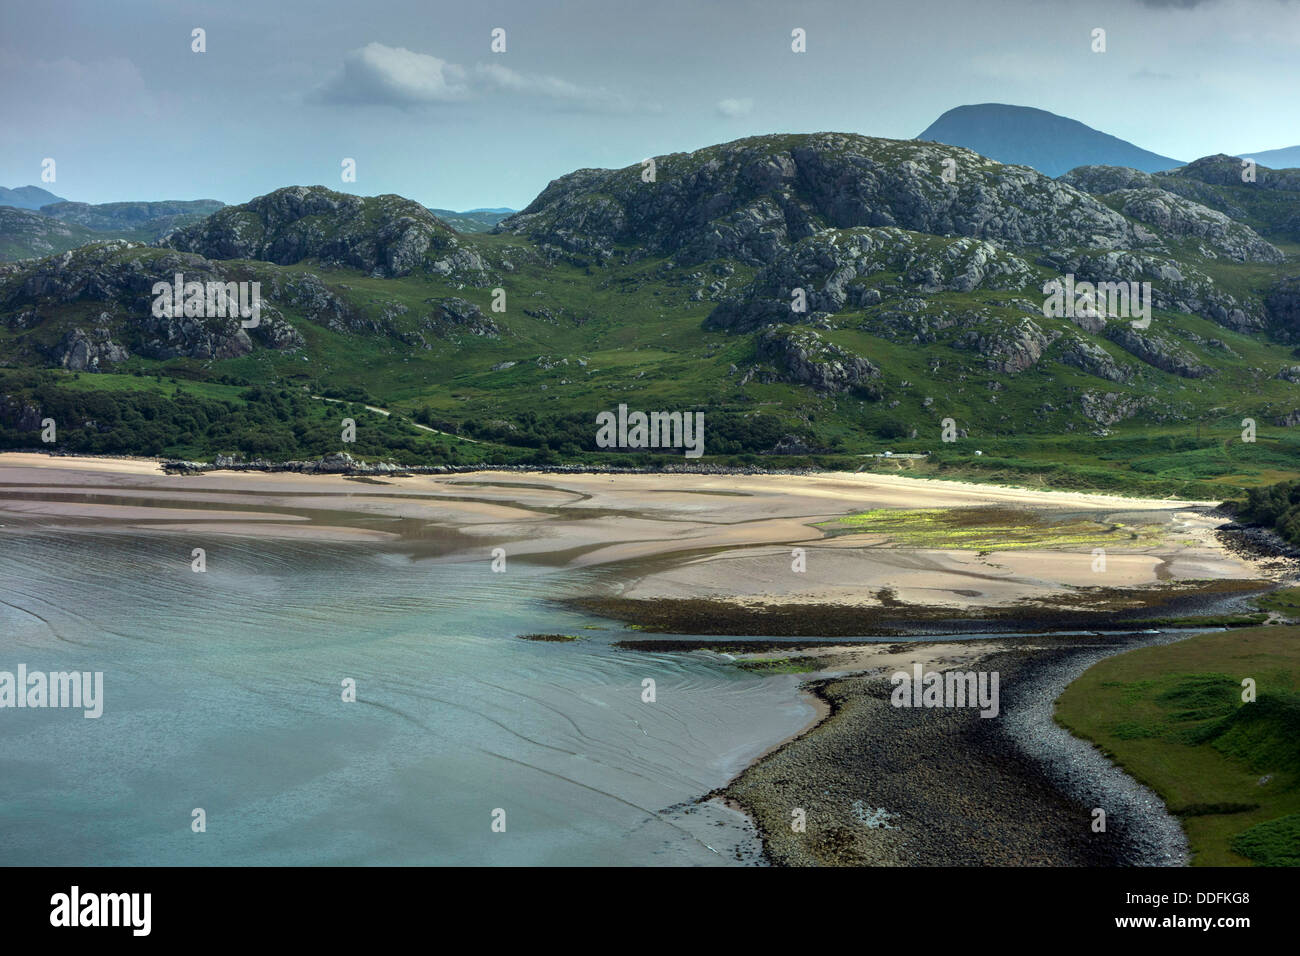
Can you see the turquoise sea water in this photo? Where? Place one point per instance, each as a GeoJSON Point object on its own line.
{"type": "Point", "coordinates": [222, 691]}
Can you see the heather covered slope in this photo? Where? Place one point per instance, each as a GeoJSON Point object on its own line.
{"type": "Point", "coordinates": [921, 267]}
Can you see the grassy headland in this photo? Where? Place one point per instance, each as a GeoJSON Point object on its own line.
{"type": "Point", "coordinates": [1173, 717]}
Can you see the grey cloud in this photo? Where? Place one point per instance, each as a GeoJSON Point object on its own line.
{"type": "Point", "coordinates": [380, 75]}
{"type": "Point", "coordinates": [736, 107]}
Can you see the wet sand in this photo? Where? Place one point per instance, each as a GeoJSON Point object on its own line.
{"type": "Point", "coordinates": [879, 785]}
{"type": "Point", "coordinates": [671, 537]}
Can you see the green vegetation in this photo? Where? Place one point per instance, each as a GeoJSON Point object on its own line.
{"type": "Point", "coordinates": [780, 665]}
{"type": "Point", "coordinates": [1285, 601]}
{"type": "Point", "coordinates": [989, 529]}
{"type": "Point", "coordinates": [1174, 718]}
{"type": "Point", "coordinates": [582, 332]}
{"type": "Point", "coordinates": [1275, 843]}
{"type": "Point", "coordinates": [120, 414]}
{"type": "Point", "coordinates": [1276, 507]}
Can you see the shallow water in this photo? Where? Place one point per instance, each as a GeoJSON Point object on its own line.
{"type": "Point", "coordinates": [223, 692]}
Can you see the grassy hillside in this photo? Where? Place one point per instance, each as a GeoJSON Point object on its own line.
{"type": "Point", "coordinates": [1173, 717]}
{"type": "Point", "coordinates": [519, 338]}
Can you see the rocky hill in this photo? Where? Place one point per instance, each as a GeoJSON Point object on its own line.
{"type": "Point", "coordinates": [753, 199]}
{"type": "Point", "coordinates": [384, 235]}
{"type": "Point", "coordinates": [474, 220]}
{"type": "Point", "coordinates": [1269, 204]}
{"type": "Point", "coordinates": [59, 226]}
{"type": "Point", "coordinates": [811, 291]}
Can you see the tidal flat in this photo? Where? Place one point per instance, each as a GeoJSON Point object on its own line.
{"type": "Point", "coordinates": [224, 688]}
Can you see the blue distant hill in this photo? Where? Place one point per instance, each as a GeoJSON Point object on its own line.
{"type": "Point", "coordinates": [1051, 144]}
{"type": "Point", "coordinates": [27, 197]}
{"type": "Point", "coordinates": [1288, 158]}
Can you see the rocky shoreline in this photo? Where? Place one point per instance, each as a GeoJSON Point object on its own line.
{"type": "Point", "coordinates": [1151, 834]}
{"type": "Point", "coordinates": [882, 785]}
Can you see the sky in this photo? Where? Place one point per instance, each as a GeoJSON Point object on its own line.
{"type": "Point", "coordinates": [413, 92]}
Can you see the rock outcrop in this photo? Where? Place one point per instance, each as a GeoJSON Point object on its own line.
{"type": "Point", "coordinates": [802, 357]}
{"type": "Point", "coordinates": [457, 316]}
{"type": "Point", "coordinates": [752, 199]}
{"type": "Point", "coordinates": [122, 275]}
{"type": "Point", "coordinates": [382, 235]}
{"type": "Point", "coordinates": [82, 351]}
{"type": "Point", "coordinates": [1158, 351]}
{"type": "Point", "coordinates": [1175, 286]}
{"type": "Point", "coordinates": [833, 269]}
{"type": "Point", "coordinates": [1009, 349]}
{"type": "Point", "coordinates": [1282, 306]}
{"type": "Point", "coordinates": [1212, 231]}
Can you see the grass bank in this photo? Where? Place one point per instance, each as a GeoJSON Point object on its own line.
{"type": "Point", "coordinates": [1173, 717]}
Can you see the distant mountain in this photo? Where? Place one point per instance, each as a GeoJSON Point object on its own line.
{"type": "Point", "coordinates": [62, 225]}
{"type": "Point", "coordinates": [134, 220]}
{"type": "Point", "coordinates": [473, 220]}
{"type": "Point", "coordinates": [27, 197]}
{"type": "Point", "coordinates": [1044, 141]}
{"type": "Point", "coordinates": [25, 234]}
{"type": "Point", "coordinates": [1288, 158]}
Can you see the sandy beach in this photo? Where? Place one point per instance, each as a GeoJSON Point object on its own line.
{"type": "Point", "coordinates": [728, 538]}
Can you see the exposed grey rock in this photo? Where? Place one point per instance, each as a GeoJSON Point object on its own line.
{"type": "Point", "coordinates": [115, 273]}
{"type": "Point", "coordinates": [754, 198]}
{"type": "Point", "coordinates": [1219, 235]}
{"type": "Point", "coordinates": [1095, 360]}
{"type": "Point", "coordinates": [383, 235]}
{"type": "Point", "coordinates": [1157, 350]}
{"type": "Point", "coordinates": [1102, 180]}
{"type": "Point", "coordinates": [82, 351]}
{"type": "Point", "coordinates": [456, 315]}
{"type": "Point", "coordinates": [1175, 286]}
{"type": "Point", "coordinates": [320, 304]}
{"type": "Point", "coordinates": [1109, 408]}
{"type": "Point", "coordinates": [803, 357]}
{"type": "Point", "coordinates": [1009, 349]}
{"type": "Point", "coordinates": [831, 266]}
